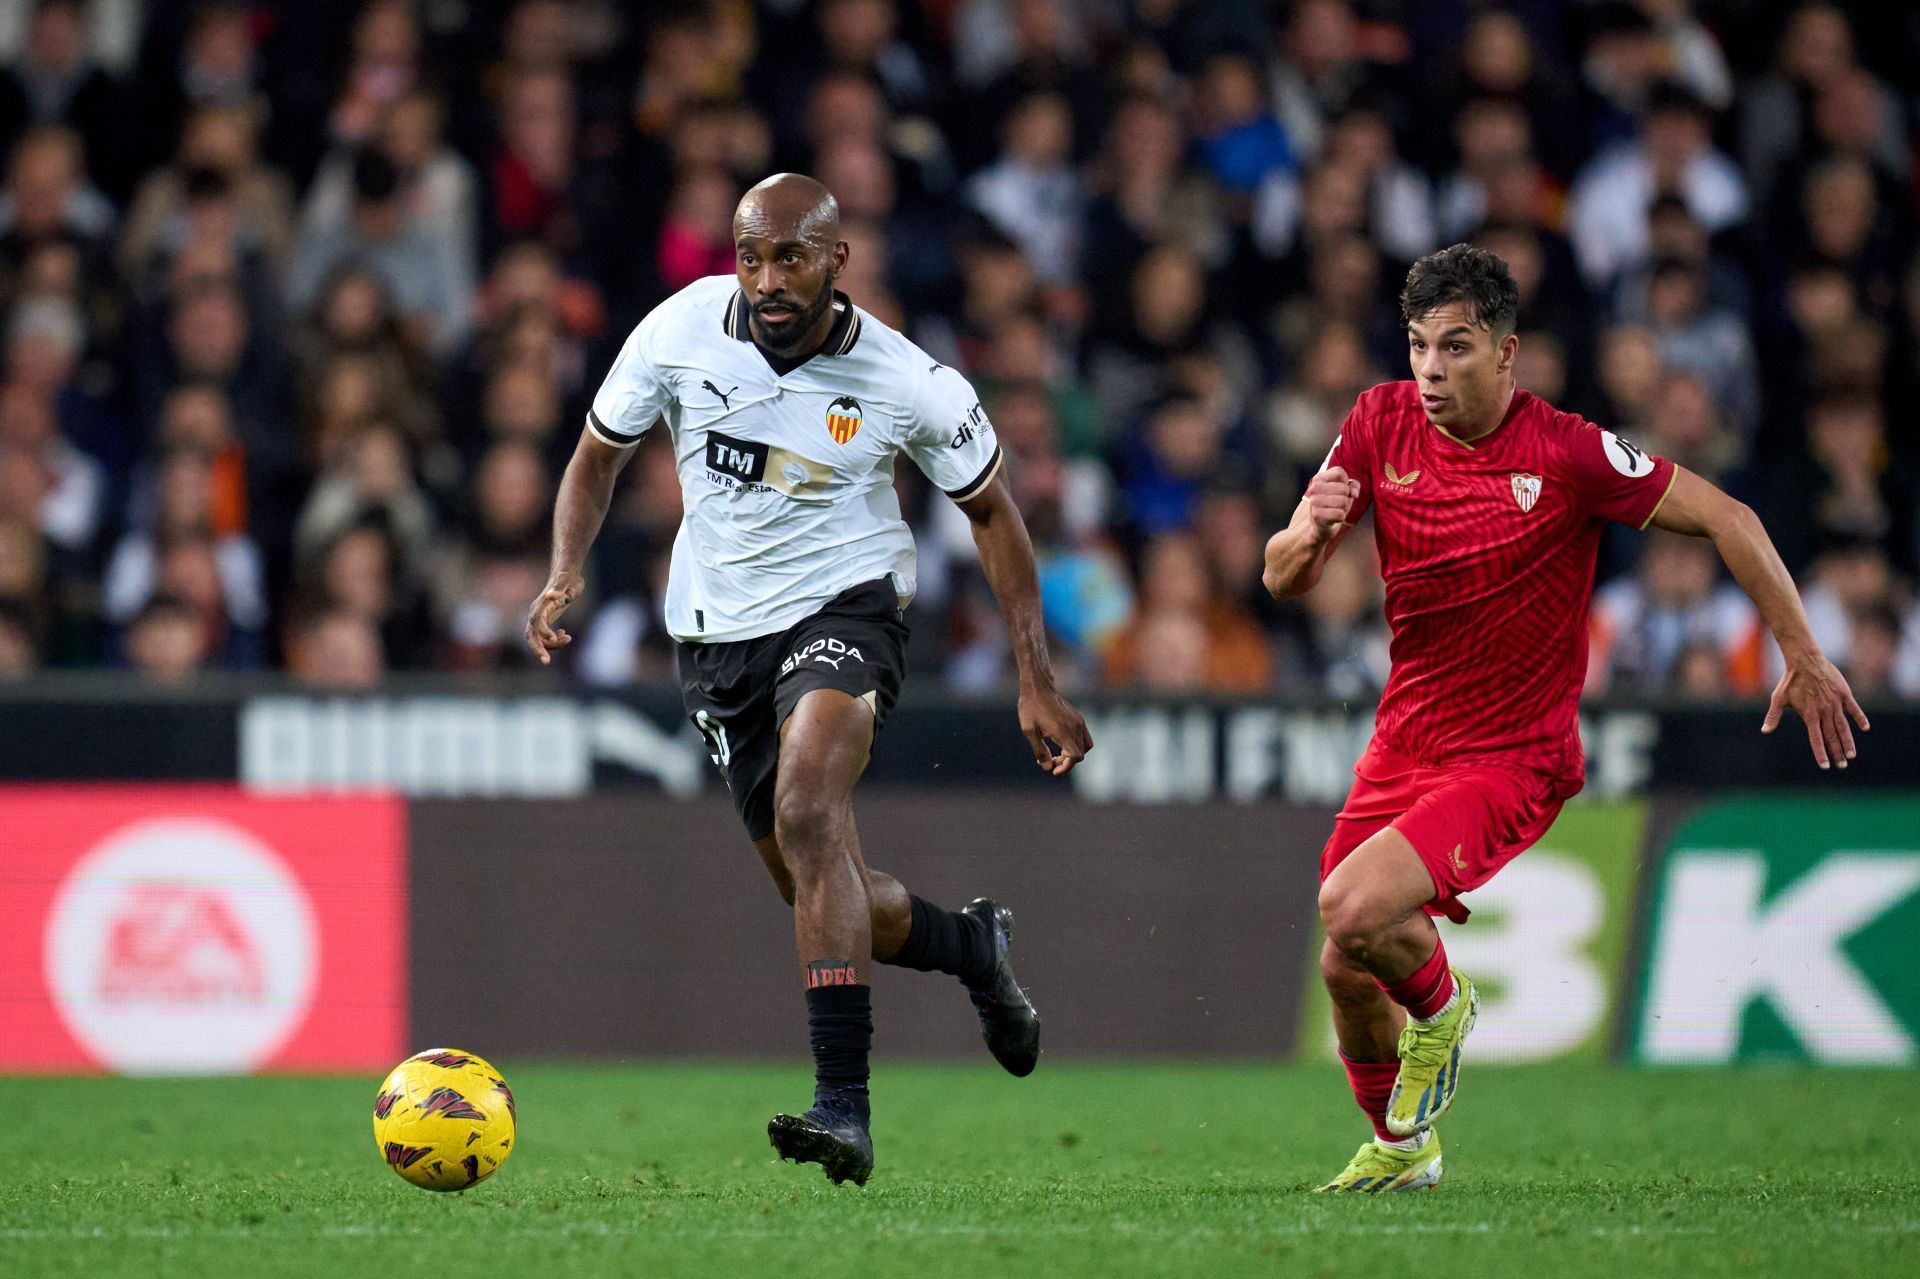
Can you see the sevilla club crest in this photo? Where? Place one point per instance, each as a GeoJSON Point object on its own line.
{"type": "Point", "coordinates": [1526, 489]}
{"type": "Point", "coordinates": [843, 419]}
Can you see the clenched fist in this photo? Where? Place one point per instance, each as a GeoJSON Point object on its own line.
{"type": "Point", "coordinates": [1330, 497]}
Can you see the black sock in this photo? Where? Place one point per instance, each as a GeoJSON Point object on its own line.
{"type": "Point", "coordinates": [840, 1028]}
{"type": "Point", "coordinates": [945, 941]}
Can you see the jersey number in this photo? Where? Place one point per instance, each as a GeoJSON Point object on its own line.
{"type": "Point", "coordinates": [716, 735]}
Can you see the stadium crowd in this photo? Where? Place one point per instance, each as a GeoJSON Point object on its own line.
{"type": "Point", "coordinates": [302, 302]}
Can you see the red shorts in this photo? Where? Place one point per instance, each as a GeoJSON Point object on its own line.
{"type": "Point", "coordinates": [1465, 822]}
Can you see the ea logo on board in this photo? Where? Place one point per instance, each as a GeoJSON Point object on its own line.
{"type": "Point", "coordinates": [181, 946]}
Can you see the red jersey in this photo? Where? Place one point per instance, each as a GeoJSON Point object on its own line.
{"type": "Point", "coordinates": [1488, 552]}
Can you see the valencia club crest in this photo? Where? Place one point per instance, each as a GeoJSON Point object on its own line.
{"type": "Point", "coordinates": [843, 419]}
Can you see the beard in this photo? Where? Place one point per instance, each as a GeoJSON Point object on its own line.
{"type": "Point", "coordinates": [787, 339]}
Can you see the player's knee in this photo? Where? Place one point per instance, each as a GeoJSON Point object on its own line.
{"type": "Point", "coordinates": [1352, 919]}
{"type": "Point", "coordinates": [807, 826]}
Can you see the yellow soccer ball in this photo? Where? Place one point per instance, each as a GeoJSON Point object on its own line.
{"type": "Point", "coordinates": [444, 1119]}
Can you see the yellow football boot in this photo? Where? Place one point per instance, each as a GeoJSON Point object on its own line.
{"type": "Point", "coordinates": [1430, 1062]}
{"type": "Point", "coordinates": [1377, 1168]}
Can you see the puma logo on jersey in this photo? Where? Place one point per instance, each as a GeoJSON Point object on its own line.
{"type": "Point", "coordinates": [1526, 489]}
{"type": "Point", "coordinates": [1403, 481]}
{"type": "Point", "coordinates": [725, 403]}
{"type": "Point", "coordinates": [819, 650]}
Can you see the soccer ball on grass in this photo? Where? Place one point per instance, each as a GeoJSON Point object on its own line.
{"type": "Point", "coordinates": [444, 1119]}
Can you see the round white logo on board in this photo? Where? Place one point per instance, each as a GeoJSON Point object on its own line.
{"type": "Point", "coordinates": [1628, 459]}
{"type": "Point", "coordinates": [181, 946]}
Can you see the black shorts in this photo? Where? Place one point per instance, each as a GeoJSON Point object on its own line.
{"type": "Point", "coordinates": [739, 693]}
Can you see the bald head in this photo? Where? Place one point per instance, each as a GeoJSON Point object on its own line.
{"type": "Point", "coordinates": [789, 207]}
{"type": "Point", "coordinates": [787, 253]}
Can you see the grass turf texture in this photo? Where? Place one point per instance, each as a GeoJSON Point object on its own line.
{"type": "Point", "coordinates": [1104, 1170]}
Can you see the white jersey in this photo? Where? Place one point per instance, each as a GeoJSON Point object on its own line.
{"type": "Point", "coordinates": [787, 478]}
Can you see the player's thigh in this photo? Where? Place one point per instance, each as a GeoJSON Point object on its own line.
{"type": "Point", "coordinates": [1381, 882]}
{"type": "Point", "coordinates": [824, 745]}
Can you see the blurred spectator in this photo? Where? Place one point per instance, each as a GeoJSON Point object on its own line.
{"type": "Point", "coordinates": [1690, 51]}
{"type": "Point", "coordinates": [1685, 426]}
{"type": "Point", "coordinates": [1032, 192]}
{"type": "Point", "coordinates": [1629, 369]}
{"type": "Point", "coordinates": [425, 272]}
{"type": "Point", "coordinates": [1642, 624]}
{"type": "Point", "coordinates": [1336, 637]}
{"type": "Point", "coordinates": [1673, 153]}
{"type": "Point", "coordinates": [1815, 48]}
{"type": "Point", "coordinates": [167, 640]}
{"type": "Point", "coordinates": [438, 192]}
{"type": "Point", "coordinates": [48, 200]}
{"type": "Point", "coordinates": [1184, 637]}
{"type": "Point", "coordinates": [1498, 66]}
{"type": "Point", "coordinates": [1023, 354]}
{"type": "Point", "coordinates": [336, 649]}
{"type": "Point", "coordinates": [863, 36]}
{"type": "Point", "coordinates": [58, 82]}
{"type": "Point", "coordinates": [73, 482]}
{"type": "Point", "coordinates": [1041, 48]}
{"type": "Point", "coordinates": [1844, 223]}
{"type": "Point", "coordinates": [223, 573]}
{"type": "Point", "coordinates": [532, 171]}
{"type": "Point", "coordinates": [1316, 68]}
{"type": "Point", "coordinates": [1305, 414]}
{"type": "Point", "coordinates": [363, 572]}
{"type": "Point", "coordinates": [1847, 485]}
{"type": "Point", "coordinates": [1710, 343]}
{"type": "Point", "coordinates": [1489, 136]}
{"type": "Point", "coordinates": [484, 577]}
{"type": "Point", "coordinates": [1873, 654]}
{"type": "Point", "coordinates": [1146, 196]}
{"type": "Point", "coordinates": [1241, 142]}
{"type": "Point", "coordinates": [19, 647]}
{"type": "Point", "coordinates": [218, 152]}
{"type": "Point", "coordinates": [696, 240]}
{"type": "Point", "coordinates": [1400, 199]}
{"type": "Point", "coordinates": [1674, 234]}
{"type": "Point", "coordinates": [1180, 451]}
{"type": "Point", "coordinates": [373, 479]}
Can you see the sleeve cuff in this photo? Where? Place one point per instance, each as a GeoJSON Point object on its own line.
{"type": "Point", "coordinates": [1672, 475]}
{"type": "Point", "coordinates": [605, 436]}
{"type": "Point", "coordinates": [980, 481]}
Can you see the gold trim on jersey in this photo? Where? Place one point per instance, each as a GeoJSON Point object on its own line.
{"type": "Point", "coordinates": [1663, 497]}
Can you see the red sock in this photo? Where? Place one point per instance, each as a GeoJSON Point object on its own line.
{"type": "Point", "coordinates": [1371, 1082]}
{"type": "Point", "coordinates": [1426, 990]}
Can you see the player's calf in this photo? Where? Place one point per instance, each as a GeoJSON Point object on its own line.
{"type": "Point", "coordinates": [971, 944]}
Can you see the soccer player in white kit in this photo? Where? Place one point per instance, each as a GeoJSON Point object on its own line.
{"type": "Point", "coordinates": [789, 577]}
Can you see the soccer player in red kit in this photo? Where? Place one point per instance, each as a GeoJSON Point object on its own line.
{"type": "Point", "coordinates": [1488, 506]}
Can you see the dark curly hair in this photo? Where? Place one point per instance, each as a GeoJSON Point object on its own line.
{"type": "Point", "coordinates": [1471, 276]}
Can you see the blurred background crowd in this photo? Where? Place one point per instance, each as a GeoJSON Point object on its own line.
{"type": "Point", "coordinates": [302, 302]}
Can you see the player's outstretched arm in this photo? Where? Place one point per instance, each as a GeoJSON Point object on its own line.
{"type": "Point", "coordinates": [1811, 685]}
{"type": "Point", "coordinates": [1054, 730]}
{"type": "Point", "coordinates": [585, 492]}
{"type": "Point", "coordinates": [1296, 553]}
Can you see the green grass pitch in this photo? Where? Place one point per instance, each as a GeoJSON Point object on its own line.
{"type": "Point", "coordinates": [1099, 1170]}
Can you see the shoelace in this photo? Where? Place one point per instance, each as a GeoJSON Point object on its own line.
{"type": "Point", "coordinates": [1423, 1049]}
